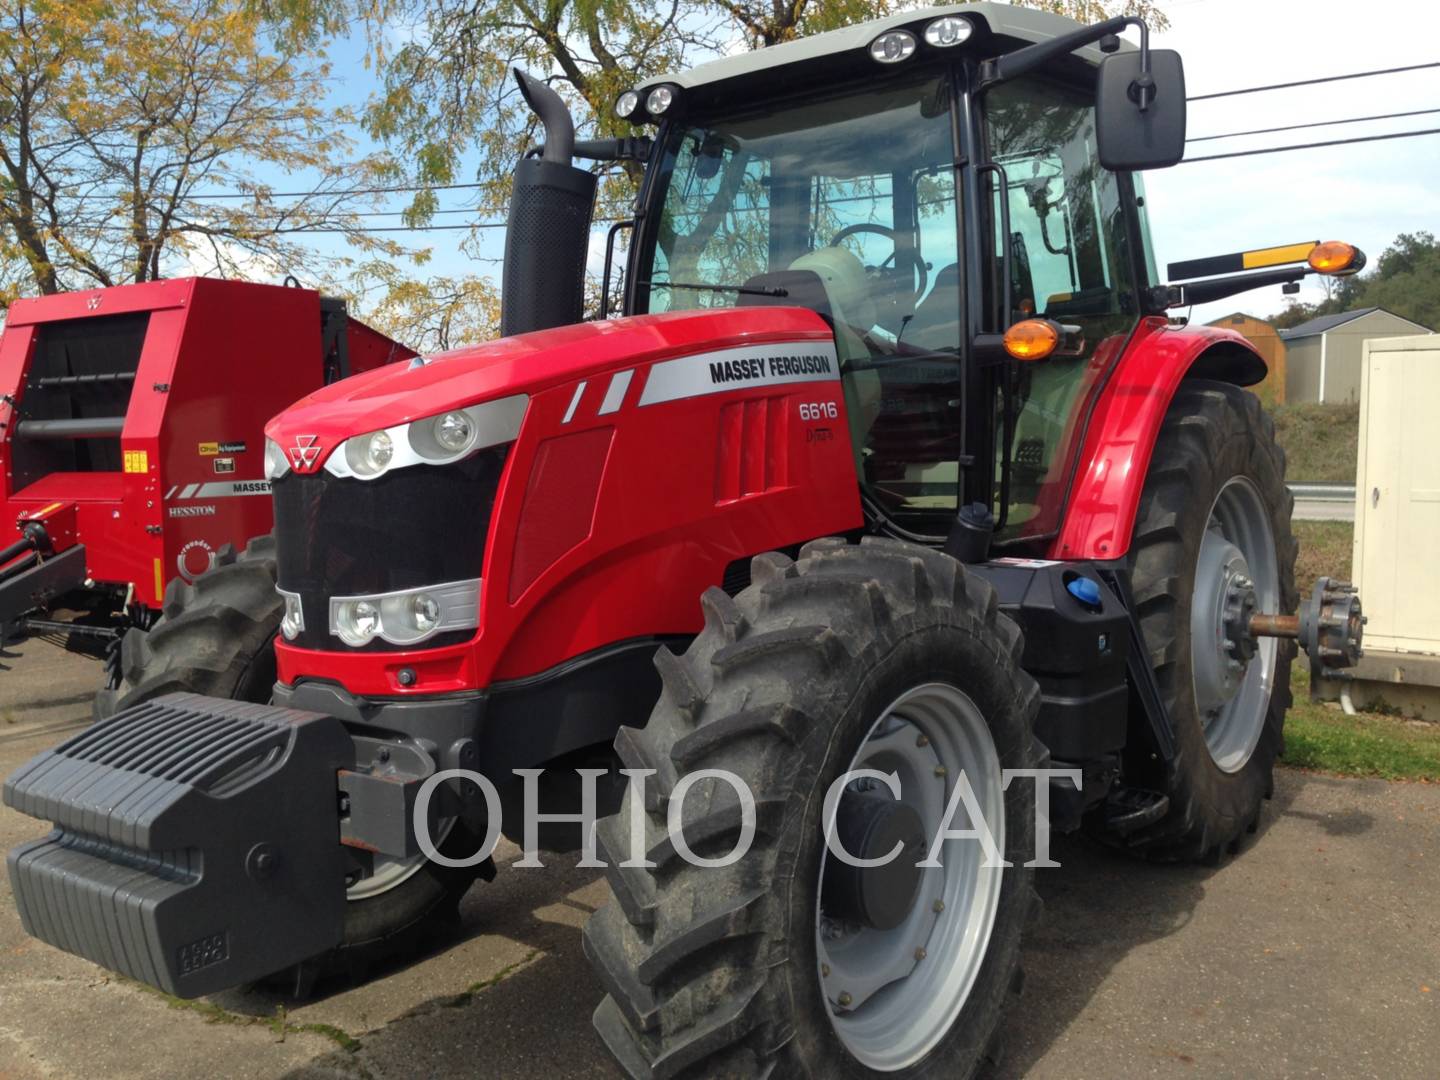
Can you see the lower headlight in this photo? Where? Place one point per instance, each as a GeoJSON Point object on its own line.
{"type": "Point", "coordinates": [407, 617]}
{"type": "Point", "coordinates": [356, 621]}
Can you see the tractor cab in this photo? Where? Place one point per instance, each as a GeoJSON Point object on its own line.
{"type": "Point", "coordinates": [923, 200]}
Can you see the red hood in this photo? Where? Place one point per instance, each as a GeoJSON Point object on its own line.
{"type": "Point", "coordinates": [527, 364]}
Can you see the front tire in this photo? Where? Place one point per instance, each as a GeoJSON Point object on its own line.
{"type": "Point", "coordinates": [720, 971]}
{"type": "Point", "coordinates": [217, 638]}
{"type": "Point", "coordinates": [1216, 487]}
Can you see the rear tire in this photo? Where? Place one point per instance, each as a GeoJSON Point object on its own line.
{"type": "Point", "coordinates": [716, 971]}
{"type": "Point", "coordinates": [217, 638]}
{"type": "Point", "coordinates": [1215, 438]}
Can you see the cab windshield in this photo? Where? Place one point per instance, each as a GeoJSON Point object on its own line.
{"type": "Point", "coordinates": [859, 188]}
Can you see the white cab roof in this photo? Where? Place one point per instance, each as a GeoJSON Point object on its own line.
{"type": "Point", "coordinates": [1027, 24]}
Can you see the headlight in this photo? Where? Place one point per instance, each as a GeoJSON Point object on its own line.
{"type": "Point", "coordinates": [948, 30]}
{"type": "Point", "coordinates": [893, 46]}
{"type": "Point", "coordinates": [292, 623]}
{"type": "Point", "coordinates": [626, 104]}
{"type": "Point", "coordinates": [407, 617]}
{"type": "Point", "coordinates": [454, 432]}
{"type": "Point", "coordinates": [355, 622]}
{"type": "Point", "coordinates": [276, 463]}
{"type": "Point", "coordinates": [434, 440]}
{"type": "Point", "coordinates": [659, 99]}
{"type": "Point", "coordinates": [370, 455]}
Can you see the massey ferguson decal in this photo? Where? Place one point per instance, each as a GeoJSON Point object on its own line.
{"type": "Point", "coordinates": [729, 369]}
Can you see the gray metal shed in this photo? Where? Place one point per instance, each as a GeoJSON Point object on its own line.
{"type": "Point", "coordinates": [1323, 356]}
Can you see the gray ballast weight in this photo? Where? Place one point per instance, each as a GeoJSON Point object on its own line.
{"type": "Point", "coordinates": [196, 842]}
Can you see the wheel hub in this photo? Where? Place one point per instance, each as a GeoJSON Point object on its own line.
{"type": "Point", "coordinates": [1237, 574]}
{"type": "Point", "coordinates": [1224, 602]}
{"type": "Point", "coordinates": [899, 947]}
{"type": "Point", "coordinates": [870, 825]}
{"type": "Point", "coordinates": [1240, 643]}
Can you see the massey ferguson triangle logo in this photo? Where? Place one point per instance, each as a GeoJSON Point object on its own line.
{"type": "Point", "coordinates": [305, 452]}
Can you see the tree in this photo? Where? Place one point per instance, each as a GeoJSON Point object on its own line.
{"type": "Point", "coordinates": [118, 119]}
{"type": "Point", "coordinates": [448, 95]}
{"type": "Point", "coordinates": [429, 315]}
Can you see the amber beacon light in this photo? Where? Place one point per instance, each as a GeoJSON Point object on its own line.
{"type": "Point", "coordinates": [1335, 257]}
{"type": "Point", "coordinates": [1032, 339]}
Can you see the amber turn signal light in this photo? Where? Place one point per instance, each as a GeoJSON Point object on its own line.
{"type": "Point", "coordinates": [1335, 257]}
{"type": "Point", "coordinates": [1032, 339]}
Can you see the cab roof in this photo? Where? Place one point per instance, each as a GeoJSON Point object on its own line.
{"type": "Point", "coordinates": [1024, 26]}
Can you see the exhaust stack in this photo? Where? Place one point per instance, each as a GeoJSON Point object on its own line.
{"type": "Point", "coordinates": [547, 237]}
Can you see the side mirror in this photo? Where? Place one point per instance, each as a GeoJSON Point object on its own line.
{"type": "Point", "coordinates": [1140, 125]}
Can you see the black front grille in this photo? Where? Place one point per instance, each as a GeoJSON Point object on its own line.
{"type": "Point", "coordinates": [423, 525]}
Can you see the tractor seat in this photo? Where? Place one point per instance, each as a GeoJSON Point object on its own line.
{"type": "Point", "coordinates": [936, 322]}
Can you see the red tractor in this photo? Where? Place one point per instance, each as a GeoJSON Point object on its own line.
{"type": "Point", "coordinates": [132, 441]}
{"type": "Point", "coordinates": [894, 472]}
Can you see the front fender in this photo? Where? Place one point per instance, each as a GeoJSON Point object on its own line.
{"type": "Point", "coordinates": [1125, 423]}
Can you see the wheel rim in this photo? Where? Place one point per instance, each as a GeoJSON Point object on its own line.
{"type": "Point", "coordinates": [388, 873]}
{"type": "Point", "coordinates": [1237, 571]}
{"type": "Point", "coordinates": [903, 988]}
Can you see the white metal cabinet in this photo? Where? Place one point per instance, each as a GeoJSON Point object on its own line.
{"type": "Point", "coordinates": [1397, 494]}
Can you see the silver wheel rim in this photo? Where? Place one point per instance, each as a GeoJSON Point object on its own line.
{"type": "Point", "coordinates": [389, 872]}
{"type": "Point", "coordinates": [1233, 699]}
{"type": "Point", "coordinates": [906, 986]}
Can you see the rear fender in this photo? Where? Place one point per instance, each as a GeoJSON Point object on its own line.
{"type": "Point", "coordinates": [1121, 434]}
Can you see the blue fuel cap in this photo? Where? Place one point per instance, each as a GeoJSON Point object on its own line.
{"type": "Point", "coordinates": [1084, 590]}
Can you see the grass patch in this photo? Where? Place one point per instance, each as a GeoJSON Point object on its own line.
{"type": "Point", "coordinates": [1320, 736]}
{"type": "Point", "coordinates": [1325, 551]}
{"type": "Point", "coordinates": [1320, 441]}
{"type": "Point", "coordinates": [212, 1013]}
{"type": "Point", "coordinates": [1323, 738]}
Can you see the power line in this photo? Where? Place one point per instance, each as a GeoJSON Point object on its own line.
{"type": "Point", "coordinates": [399, 189]}
{"type": "Point", "coordinates": [1313, 146]}
{"type": "Point", "coordinates": [337, 191]}
{"type": "Point", "coordinates": [1312, 82]}
{"type": "Point", "coordinates": [1317, 123]}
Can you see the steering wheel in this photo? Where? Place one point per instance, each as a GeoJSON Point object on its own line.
{"type": "Point", "coordinates": [915, 269]}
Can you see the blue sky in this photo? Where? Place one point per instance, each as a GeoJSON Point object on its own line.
{"type": "Point", "coordinates": [1366, 193]}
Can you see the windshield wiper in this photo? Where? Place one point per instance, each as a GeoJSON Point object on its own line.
{"type": "Point", "coordinates": [743, 290]}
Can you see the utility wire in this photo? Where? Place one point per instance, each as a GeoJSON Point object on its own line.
{"type": "Point", "coordinates": [1313, 146]}
{"type": "Point", "coordinates": [1297, 127]}
{"type": "Point", "coordinates": [611, 221]}
{"type": "Point", "coordinates": [337, 191]}
{"type": "Point", "coordinates": [405, 188]}
{"type": "Point", "coordinates": [1312, 82]}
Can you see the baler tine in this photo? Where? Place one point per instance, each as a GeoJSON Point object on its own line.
{"type": "Point", "coordinates": [894, 465]}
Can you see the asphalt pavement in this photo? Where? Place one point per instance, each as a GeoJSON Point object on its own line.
{"type": "Point", "coordinates": [1315, 953]}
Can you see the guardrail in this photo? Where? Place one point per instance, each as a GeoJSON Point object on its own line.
{"type": "Point", "coordinates": [1324, 492]}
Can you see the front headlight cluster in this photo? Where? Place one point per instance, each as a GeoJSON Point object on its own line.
{"type": "Point", "coordinates": [407, 617]}
{"type": "Point", "coordinates": [433, 440]}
